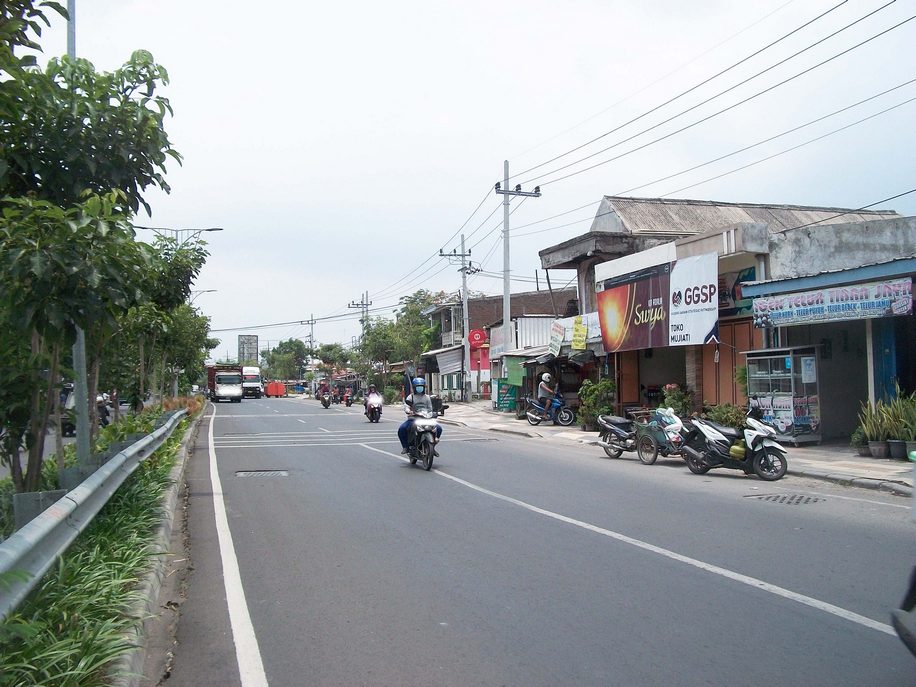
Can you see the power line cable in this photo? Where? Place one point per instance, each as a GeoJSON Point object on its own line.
{"type": "Point", "coordinates": [689, 90]}
{"type": "Point", "coordinates": [381, 293]}
{"type": "Point", "coordinates": [722, 157]}
{"type": "Point", "coordinates": [789, 150]}
{"type": "Point", "coordinates": [703, 119]}
{"type": "Point", "coordinates": [650, 85]}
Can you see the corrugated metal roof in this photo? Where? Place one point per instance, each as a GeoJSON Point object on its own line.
{"type": "Point", "coordinates": [680, 216]}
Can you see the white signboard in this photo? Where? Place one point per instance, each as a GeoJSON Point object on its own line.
{"type": "Point", "coordinates": [693, 317]}
{"type": "Point", "coordinates": [557, 334]}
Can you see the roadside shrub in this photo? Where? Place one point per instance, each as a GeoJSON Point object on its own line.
{"type": "Point", "coordinates": [595, 398]}
{"type": "Point", "coordinates": [392, 395]}
{"type": "Point", "coordinates": [727, 414]}
{"type": "Point", "coordinates": [677, 397]}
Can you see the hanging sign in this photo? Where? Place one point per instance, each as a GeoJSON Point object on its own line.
{"type": "Point", "coordinates": [854, 302]}
{"type": "Point", "coordinates": [477, 337]}
{"type": "Point", "coordinates": [557, 334]}
{"type": "Point", "coordinates": [580, 333]}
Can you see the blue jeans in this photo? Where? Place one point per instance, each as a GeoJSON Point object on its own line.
{"type": "Point", "coordinates": [405, 428]}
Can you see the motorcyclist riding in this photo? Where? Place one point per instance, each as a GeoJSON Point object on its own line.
{"type": "Point", "coordinates": [417, 401]}
{"type": "Point", "coordinates": [545, 393]}
{"type": "Point", "coordinates": [372, 390]}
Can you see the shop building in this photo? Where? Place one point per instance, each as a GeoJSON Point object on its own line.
{"type": "Point", "coordinates": [742, 238]}
{"type": "Point", "coordinates": [842, 295]}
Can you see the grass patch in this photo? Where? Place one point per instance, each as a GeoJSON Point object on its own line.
{"type": "Point", "coordinates": [77, 621]}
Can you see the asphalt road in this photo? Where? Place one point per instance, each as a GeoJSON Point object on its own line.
{"type": "Point", "coordinates": [522, 562]}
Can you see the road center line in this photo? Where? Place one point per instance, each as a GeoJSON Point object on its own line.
{"type": "Point", "coordinates": [708, 567]}
{"type": "Point", "coordinates": [247, 652]}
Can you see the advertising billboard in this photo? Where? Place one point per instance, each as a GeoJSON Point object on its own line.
{"type": "Point", "coordinates": [671, 304]}
{"type": "Point", "coordinates": [248, 348]}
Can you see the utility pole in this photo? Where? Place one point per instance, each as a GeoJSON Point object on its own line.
{"type": "Point", "coordinates": [81, 377]}
{"type": "Point", "coordinates": [465, 342]}
{"type": "Point", "coordinates": [505, 192]}
{"type": "Point", "coordinates": [363, 305]}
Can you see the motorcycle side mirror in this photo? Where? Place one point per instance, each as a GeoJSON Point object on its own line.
{"type": "Point", "coordinates": [410, 403]}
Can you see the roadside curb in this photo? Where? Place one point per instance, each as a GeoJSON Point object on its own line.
{"type": "Point", "coordinates": [873, 483]}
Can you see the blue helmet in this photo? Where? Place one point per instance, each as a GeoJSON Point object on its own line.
{"type": "Point", "coordinates": [419, 385]}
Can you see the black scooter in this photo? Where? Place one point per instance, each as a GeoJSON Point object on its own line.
{"type": "Point", "coordinates": [616, 435]}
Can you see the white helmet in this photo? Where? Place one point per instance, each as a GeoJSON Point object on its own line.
{"type": "Point", "coordinates": [546, 378]}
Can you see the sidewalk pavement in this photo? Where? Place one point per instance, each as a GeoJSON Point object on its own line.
{"type": "Point", "coordinates": [831, 462]}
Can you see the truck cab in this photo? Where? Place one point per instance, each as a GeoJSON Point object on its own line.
{"type": "Point", "coordinates": [252, 386]}
{"type": "Point", "coordinates": [227, 385]}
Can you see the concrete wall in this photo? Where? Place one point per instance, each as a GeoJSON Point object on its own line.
{"type": "Point", "coordinates": [812, 250]}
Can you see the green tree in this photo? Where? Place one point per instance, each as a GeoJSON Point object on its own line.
{"type": "Point", "coordinates": [61, 268]}
{"type": "Point", "coordinates": [98, 131]}
{"type": "Point", "coordinates": [414, 331]}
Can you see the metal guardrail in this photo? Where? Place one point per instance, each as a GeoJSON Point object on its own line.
{"type": "Point", "coordinates": [34, 548]}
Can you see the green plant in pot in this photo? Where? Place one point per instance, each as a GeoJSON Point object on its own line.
{"type": "Point", "coordinates": [858, 441]}
{"type": "Point", "coordinates": [595, 398]}
{"type": "Point", "coordinates": [677, 397]}
{"type": "Point", "coordinates": [895, 418]}
{"type": "Point", "coordinates": [872, 419]}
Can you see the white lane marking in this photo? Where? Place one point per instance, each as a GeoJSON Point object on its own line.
{"type": "Point", "coordinates": [247, 652]}
{"type": "Point", "coordinates": [344, 442]}
{"type": "Point", "coordinates": [301, 420]}
{"type": "Point", "coordinates": [708, 567]}
{"type": "Point", "coordinates": [325, 430]}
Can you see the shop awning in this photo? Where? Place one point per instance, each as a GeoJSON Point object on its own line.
{"type": "Point", "coordinates": [449, 359]}
{"type": "Point", "coordinates": [527, 353]}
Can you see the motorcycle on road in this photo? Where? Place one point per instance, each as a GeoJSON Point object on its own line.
{"type": "Point", "coordinates": [421, 437]}
{"type": "Point", "coordinates": [558, 411]}
{"type": "Point", "coordinates": [616, 435]}
{"type": "Point", "coordinates": [754, 451]}
{"type": "Point", "coordinates": [326, 400]}
{"type": "Point", "coordinates": [374, 407]}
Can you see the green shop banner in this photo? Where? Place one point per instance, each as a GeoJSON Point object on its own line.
{"type": "Point", "coordinates": [854, 302]}
{"type": "Point", "coordinates": [507, 394]}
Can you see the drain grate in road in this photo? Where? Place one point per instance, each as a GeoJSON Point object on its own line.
{"type": "Point", "coordinates": [789, 499]}
{"type": "Point", "coordinates": [261, 473]}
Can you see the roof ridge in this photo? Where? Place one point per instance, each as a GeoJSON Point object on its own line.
{"type": "Point", "coordinates": [716, 203]}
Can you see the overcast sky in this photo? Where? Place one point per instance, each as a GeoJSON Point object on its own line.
{"type": "Point", "coordinates": [341, 145]}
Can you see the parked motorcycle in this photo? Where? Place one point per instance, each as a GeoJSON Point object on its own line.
{"type": "Point", "coordinates": [662, 433]}
{"type": "Point", "coordinates": [326, 400]}
{"type": "Point", "coordinates": [710, 445]}
{"type": "Point", "coordinates": [616, 435]}
{"type": "Point", "coordinates": [558, 411]}
{"type": "Point", "coordinates": [374, 407]}
{"type": "Point", "coordinates": [421, 438]}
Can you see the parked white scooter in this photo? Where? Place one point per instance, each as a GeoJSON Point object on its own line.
{"type": "Point", "coordinates": [755, 450]}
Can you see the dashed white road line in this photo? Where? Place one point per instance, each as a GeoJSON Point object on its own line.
{"type": "Point", "coordinates": [708, 567]}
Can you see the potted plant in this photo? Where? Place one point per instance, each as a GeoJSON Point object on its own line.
{"type": "Point", "coordinates": [895, 420]}
{"type": "Point", "coordinates": [872, 421]}
{"type": "Point", "coordinates": [858, 441]}
{"type": "Point", "coordinates": [595, 398]}
{"type": "Point", "coordinates": [677, 397]}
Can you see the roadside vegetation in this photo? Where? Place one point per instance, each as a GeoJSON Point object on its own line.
{"type": "Point", "coordinates": [78, 621]}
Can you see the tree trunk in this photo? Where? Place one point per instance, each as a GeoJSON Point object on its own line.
{"type": "Point", "coordinates": [138, 402]}
{"type": "Point", "coordinates": [37, 425]}
{"type": "Point", "coordinates": [95, 363]}
{"type": "Point", "coordinates": [58, 436]}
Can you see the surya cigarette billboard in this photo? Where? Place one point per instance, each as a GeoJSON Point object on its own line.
{"type": "Point", "coordinates": [670, 304]}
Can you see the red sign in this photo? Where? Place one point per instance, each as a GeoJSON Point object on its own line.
{"type": "Point", "coordinates": [477, 337]}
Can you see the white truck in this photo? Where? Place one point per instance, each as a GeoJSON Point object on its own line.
{"type": "Point", "coordinates": [252, 385]}
{"type": "Point", "coordinates": [224, 382]}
